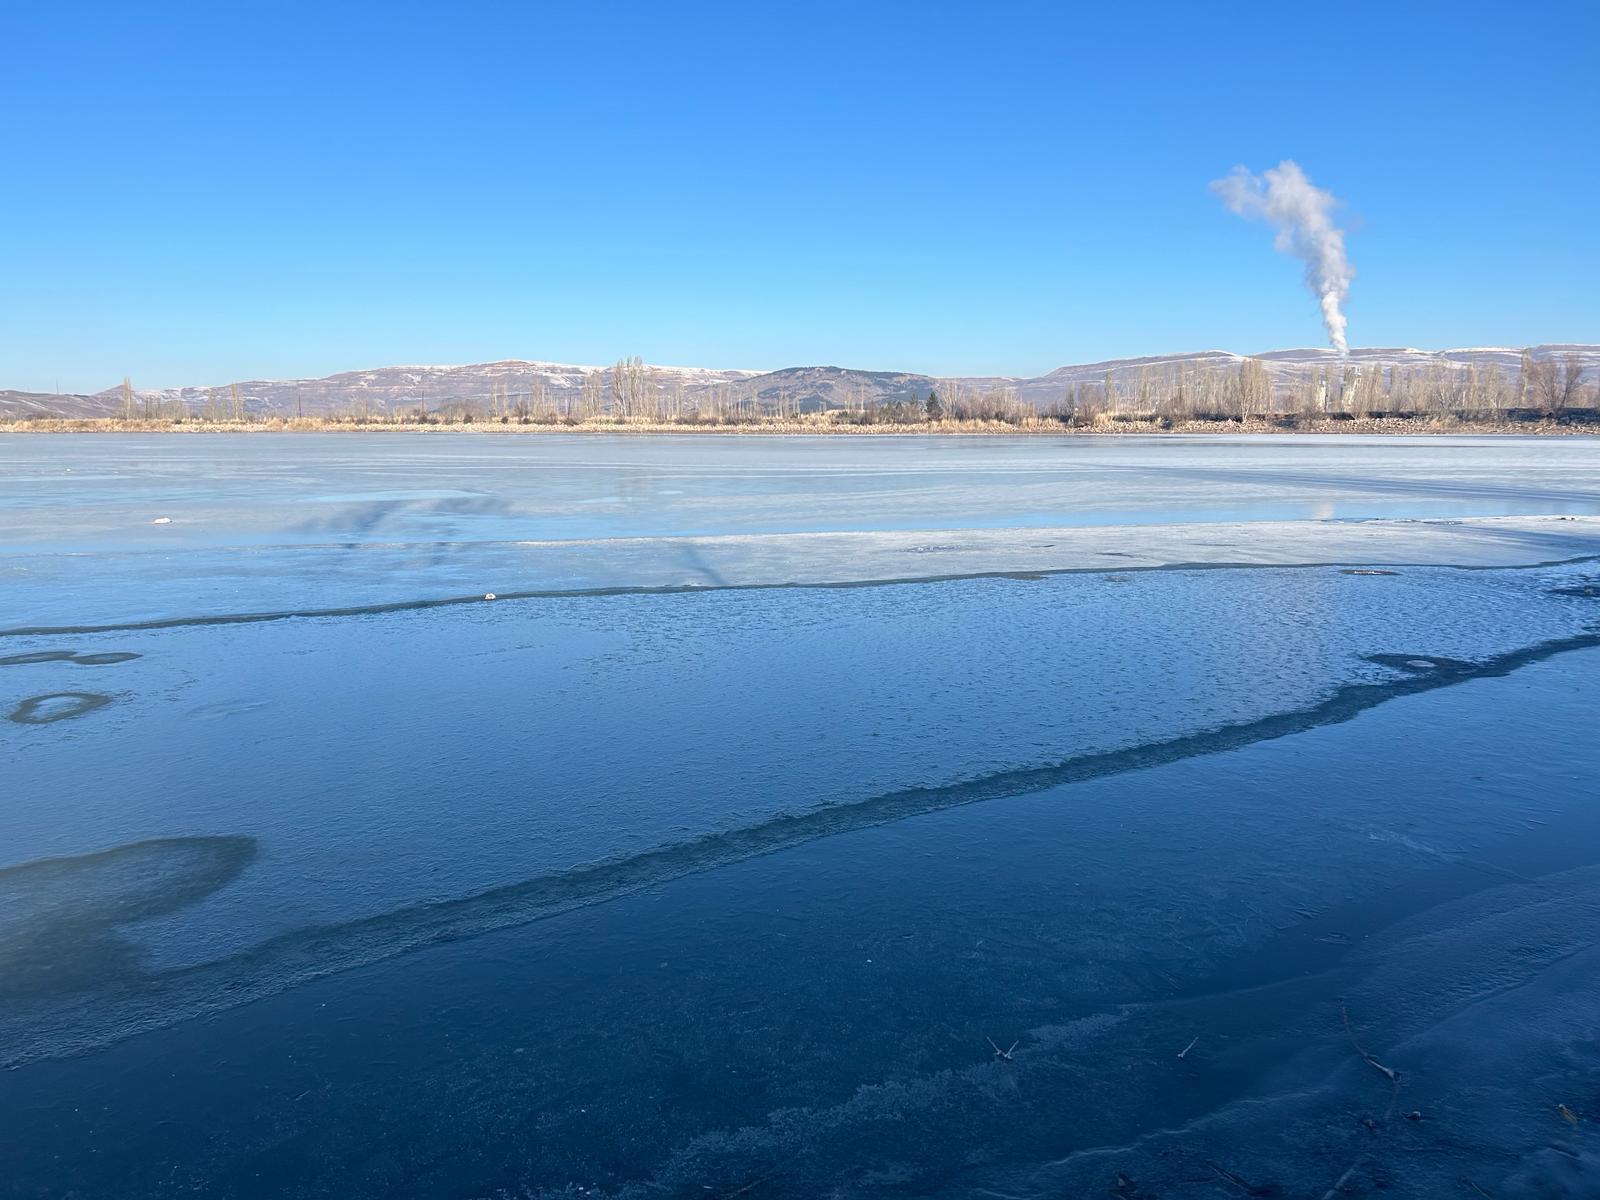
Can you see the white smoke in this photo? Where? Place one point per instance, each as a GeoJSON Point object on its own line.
{"type": "Point", "coordinates": [1302, 215]}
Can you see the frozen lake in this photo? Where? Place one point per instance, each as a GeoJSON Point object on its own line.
{"type": "Point", "coordinates": [185, 526]}
{"type": "Point", "coordinates": [781, 775]}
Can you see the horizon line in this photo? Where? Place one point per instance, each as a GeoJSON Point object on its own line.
{"type": "Point", "coordinates": [799, 366]}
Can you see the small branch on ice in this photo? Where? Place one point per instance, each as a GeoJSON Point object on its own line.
{"type": "Point", "coordinates": [1340, 1182]}
{"type": "Point", "coordinates": [1002, 1055]}
{"type": "Point", "coordinates": [1244, 1185]}
{"type": "Point", "coordinates": [1184, 1053]}
{"type": "Point", "coordinates": [1388, 1073]}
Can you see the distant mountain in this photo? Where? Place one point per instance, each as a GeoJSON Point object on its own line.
{"type": "Point", "coordinates": [1286, 368]}
{"type": "Point", "coordinates": [15, 406]}
{"type": "Point", "coordinates": [810, 389]}
{"type": "Point", "coordinates": [512, 383]}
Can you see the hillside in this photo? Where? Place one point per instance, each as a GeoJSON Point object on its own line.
{"type": "Point", "coordinates": [514, 385]}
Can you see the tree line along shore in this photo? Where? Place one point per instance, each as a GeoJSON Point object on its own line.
{"type": "Point", "coordinates": [1548, 395]}
{"type": "Point", "coordinates": [1574, 421]}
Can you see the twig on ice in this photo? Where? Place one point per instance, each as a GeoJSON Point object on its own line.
{"type": "Point", "coordinates": [1002, 1055]}
{"type": "Point", "coordinates": [1340, 1182]}
{"type": "Point", "coordinates": [1388, 1073]}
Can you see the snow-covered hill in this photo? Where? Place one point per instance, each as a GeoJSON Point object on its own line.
{"type": "Point", "coordinates": [564, 387]}
{"type": "Point", "coordinates": [1287, 368]}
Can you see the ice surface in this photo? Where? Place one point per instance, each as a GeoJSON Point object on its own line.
{"type": "Point", "coordinates": [818, 1018]}
{"type": "Point", "coordinates": [552, 733]}
{"type": "Point", "coordinates": [782, 775]}
{"type": "Point", "coordinates": [264, 523]}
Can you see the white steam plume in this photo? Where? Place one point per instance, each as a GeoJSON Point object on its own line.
{"type": "Point", "coordinates": [1301, 213]}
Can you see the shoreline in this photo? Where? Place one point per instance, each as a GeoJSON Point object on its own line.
{"type": "Point", "coordinates": [1420, 426]}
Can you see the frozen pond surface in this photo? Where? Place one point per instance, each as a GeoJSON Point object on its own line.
{"type": "Point", "coordinates": [674, 873]}
{"type": "Point", "coordinates": [185, 526]}
{"type": "Point", "coordinates": [308, 489]}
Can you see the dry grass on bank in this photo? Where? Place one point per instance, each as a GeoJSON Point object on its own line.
{"type": "Point", "coordinates": [830, 424]}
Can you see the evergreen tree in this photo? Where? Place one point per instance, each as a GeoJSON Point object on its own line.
{"type": "Point", "coordinates": [934, 407]}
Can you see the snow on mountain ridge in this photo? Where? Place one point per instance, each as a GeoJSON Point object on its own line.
{"type": "Point", "coordinates": [507, 382]}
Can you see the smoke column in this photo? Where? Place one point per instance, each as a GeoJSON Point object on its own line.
{"type": "Point", "coordinates": [1301, 213]}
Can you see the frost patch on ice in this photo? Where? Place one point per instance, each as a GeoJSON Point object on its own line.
{"type": "Point", "coordinates": [99, 659]}
{"type": "Point", "coordinates": [57, 706]}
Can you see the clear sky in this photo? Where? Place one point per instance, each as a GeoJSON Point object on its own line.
{"type": "Point", "coordinates": [193, 194]}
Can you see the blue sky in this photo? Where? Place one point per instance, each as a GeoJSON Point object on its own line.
{"type": "Point", "coordinates": [193, 194]}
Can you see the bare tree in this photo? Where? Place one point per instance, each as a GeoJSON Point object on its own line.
{"type": "Point", "coordinates": [1492, 388]}
{"type": "Point", "coordinates": [590, 399]}
{"type": "Point", "coordinates": [1087, 404]}
{"type": "Point", "coordinates": [1553, 384]}
{"type": "Point", "coordinates": [1441, 389]}
{"type": "Point", "coordinates": [632, 387]}
{"type": "Point", "coordinates": [1144, 387]}
{"type": "Point", "coordinates": [1399, 390]}
{"type": "Point", "coordinates": [1255, 389]}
